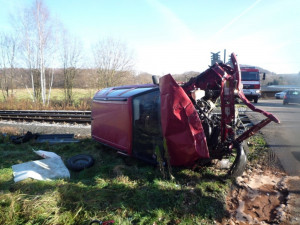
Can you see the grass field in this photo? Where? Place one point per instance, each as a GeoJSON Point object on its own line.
{"type": "Point", "coordinates": [21, 100]}
{"type": "Point", "coordinates": [116, 188]}
{"type": "Point", "coordinates": [56, 93]}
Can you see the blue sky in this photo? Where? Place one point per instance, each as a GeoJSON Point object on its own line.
{"type": "Point", "coordinates": [174, 36]}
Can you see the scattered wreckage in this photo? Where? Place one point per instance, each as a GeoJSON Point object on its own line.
{"type": "Point", "coordinates": [52, 166]}
{"type": "Point", "coordinates": [44, 138]}
{"type": "Point", "coordinates": [148, 121]}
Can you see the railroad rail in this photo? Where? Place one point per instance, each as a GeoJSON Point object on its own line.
{"type": "Point", "coordinates": [50, 116]}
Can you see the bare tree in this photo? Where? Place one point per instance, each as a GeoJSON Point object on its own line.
{"type": "Point", "coordinates": [143, 78]}
{"type": "Point", "coordinates": [36, 27]}
{"type": "Point", "coordinates": [24, 24]}
{"type": "Point", "coordinates": [112, 59]}
{"type": "Point", "coordinates": [8, 45]}
{"type": "Point", "coordinates": [43, 26]}
{"type": "Point", "coordinates": [70, 55]}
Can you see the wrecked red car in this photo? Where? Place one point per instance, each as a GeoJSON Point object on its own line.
{"type": "Point", "coordinates": [144, 120]}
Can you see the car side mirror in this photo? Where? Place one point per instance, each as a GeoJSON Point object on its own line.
{"type": "Point", "coordinates": [155, 80]}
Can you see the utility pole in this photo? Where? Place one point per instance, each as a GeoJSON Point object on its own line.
{"type": "Point", "coordinates": [224, 56]}
{"type": "Point", "coordinates": [215, 58]}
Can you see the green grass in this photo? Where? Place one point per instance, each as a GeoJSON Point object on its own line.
{"type": "Point", "coordinates": [258, 148]}
{"type": "Point", "coordinates": [117, 188]}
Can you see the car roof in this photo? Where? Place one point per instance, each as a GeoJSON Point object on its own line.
{"type": "Point", "coordinates": [124, 91]}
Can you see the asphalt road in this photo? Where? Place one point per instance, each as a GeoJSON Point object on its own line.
{"type": "Point", "coordinates": [283, 138]}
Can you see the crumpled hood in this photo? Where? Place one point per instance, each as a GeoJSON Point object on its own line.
{"type": "Point", "coordinates": [181, 125]}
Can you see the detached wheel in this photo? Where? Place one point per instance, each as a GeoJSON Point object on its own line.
{"type": "Point", "coordinates": [80, 162]}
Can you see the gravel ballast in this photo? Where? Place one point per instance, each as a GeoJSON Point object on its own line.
{"type": "Point", "coordinates": [48, 128]}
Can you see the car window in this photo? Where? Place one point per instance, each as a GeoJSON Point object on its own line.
{"type": "Point", "coordinates": [250, 76]}
{"type": "Point", "coordinates": [295, 93]}
{"type": "Point", "coordinates": [147, 133]}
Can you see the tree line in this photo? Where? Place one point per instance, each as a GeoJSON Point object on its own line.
{"type": "Point", "coordinates": [38, 53]}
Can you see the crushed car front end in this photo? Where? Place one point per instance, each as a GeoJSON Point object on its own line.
{"type": "Point", "coordinates": [146, 121]}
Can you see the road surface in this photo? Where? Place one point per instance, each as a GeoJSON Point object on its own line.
{"type": "Point", "coordinates": [283, 138]}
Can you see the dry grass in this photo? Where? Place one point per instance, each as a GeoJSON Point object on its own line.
{"type": "Point", "coordinates": [21, 100]}
{"type": "Point", "coordinates": [56, 93]}
{"type": "Point", "coordinates": [9, 130]}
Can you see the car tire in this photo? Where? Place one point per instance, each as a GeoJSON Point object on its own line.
{"type": "Point", "coordinates": [80, 162]}
{"type": "Point", "coordinates": [255, 100]}
{"type": "Point", "coordinates": [239, 165]}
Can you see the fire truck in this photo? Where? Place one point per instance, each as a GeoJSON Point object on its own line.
{"type": "Point", "coordinates": [251, 83]}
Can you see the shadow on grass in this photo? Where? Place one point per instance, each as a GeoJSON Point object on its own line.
{"type": "Point", "coordinates": [143, 199]}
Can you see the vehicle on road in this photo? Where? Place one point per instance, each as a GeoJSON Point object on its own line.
{"type": "Point", "coordinates": [280, 95]}
{"type": "Point", "coordinates": [178, 125]}
{"type": "Point", "coordinates": [251, 83]}
{"type": "Point", "coordinates": [292, 96]}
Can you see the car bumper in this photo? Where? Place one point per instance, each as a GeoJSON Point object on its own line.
{"type": "Point", "coordinates": [252, 93]}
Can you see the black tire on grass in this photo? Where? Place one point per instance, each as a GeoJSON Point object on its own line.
{"type": "Point", "coordinates": [80, 162]}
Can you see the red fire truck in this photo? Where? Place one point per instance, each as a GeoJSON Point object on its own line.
{"type": "Point", "coordinates": [251, 83]}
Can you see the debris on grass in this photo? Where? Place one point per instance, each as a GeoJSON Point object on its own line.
{"type": "Point", "coordinates": [45, 169]}
{"type": "Point", "coordinates": [51, 167]}
{"type": "Point", "coordinates": [46, 154]}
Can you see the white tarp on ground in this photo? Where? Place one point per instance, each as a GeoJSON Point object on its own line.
{"type": "Point", "coordinates": [46, 154]}
{"type": "Point", "coordinates": [45, 169]}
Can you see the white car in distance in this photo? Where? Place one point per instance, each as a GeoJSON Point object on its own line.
{"type": "Point", "coordinates": [280, 95]}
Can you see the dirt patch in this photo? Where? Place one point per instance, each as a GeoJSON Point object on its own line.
{"type": "Point", "coordinates": [258, 197]}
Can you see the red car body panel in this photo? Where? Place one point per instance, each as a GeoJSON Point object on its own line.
{"type": "Point", "coordinates": [181, 125]}
{"type": "Point", "coordinates": [115, 131]}
{"type": "Point", "coordinates": [112, 116]}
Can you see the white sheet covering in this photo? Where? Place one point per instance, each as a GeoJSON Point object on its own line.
{"type": "Point", "coordinates": [45, 169]}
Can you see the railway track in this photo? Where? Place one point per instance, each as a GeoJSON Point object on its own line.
{"type": "Point", "coordinates": [50, 116]}
{"type": "Point", "coordinates": [53, 116]}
